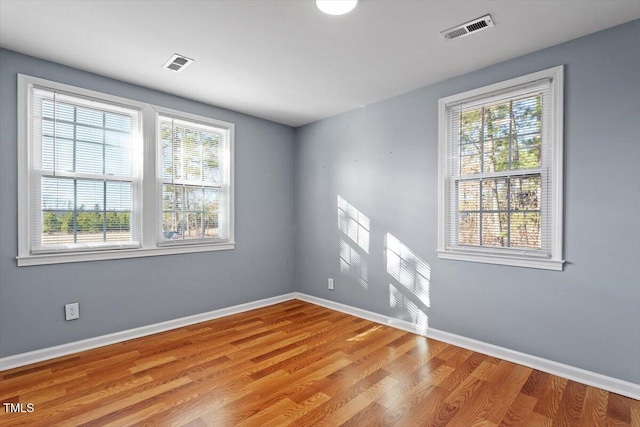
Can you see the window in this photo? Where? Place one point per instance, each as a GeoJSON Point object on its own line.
{"type": "Point", "coordinates": [195, 180]}
{"type": "Point", "coordinates": [88, 187]}
{"type": "Point", "coordinates": [500, 176]}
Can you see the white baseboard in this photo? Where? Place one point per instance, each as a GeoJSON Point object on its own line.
{"type": "Point", "coordinates": [604, 382]}
{"type": "Point", "coordinates": [358, 312]}
{"type": "Point", "coordinates": [35, 356]}
{"type": "Point", "coordinates": [583, 376]}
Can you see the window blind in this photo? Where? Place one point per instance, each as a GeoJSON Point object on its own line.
{"type": "Point", "coordinates": [194, 170]}
{"type": "Point", "coordinates": [84, 175]}
{"type": "Point", "coordinates": [498, 184]}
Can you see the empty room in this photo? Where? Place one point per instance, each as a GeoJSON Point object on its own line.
{"type": "Point", "coordinates": [320, 213]}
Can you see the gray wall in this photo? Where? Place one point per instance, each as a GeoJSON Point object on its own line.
{"type": "Point", "coordinates": [382, 159]}
{"type": "Point", "coordinates": [123, 294]}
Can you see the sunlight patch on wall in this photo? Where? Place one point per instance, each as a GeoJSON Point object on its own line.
{"type": "Point", "coordinates": [418, 318]}
{"type": "Point", "coordinates": [353, 223]}
{"type": "Point", "coordinates": [408, 269]}
{"type": "Point", "coordinates": [352, 264]}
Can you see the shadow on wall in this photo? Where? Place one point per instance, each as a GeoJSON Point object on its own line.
{"type": "Point", "coordinates": [410, 275]}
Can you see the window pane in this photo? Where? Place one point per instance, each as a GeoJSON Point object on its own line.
{"type": "Point", "coordinates": [192, 155]}
{"type": "Point", "coordinates": [57, 227]}
{"type": "Point", "coordinates": [89, 116]}
{"type": "Point", "coordinates": [211, 157]}
{"type": "Point", "coordinates": [90, 134]}
{"type": "Point", "coordinates": [470, 126]}
{"type": "Point", "coordinates": [526, 152]}
{"type": "Point", "coordinates": [90, 195]}
{"type": "Point", "coordinates": [494, 229]}
{"type": "Point", "coordinates": [90, 226]}
{"type": "Point", "coordinates": [116, 121]}
{"type": "Point", "coordinates": [496, 155]}
{"type": "Point", "coordinates": [57, 194]}
{"type": "Point", "coordinates": [89, 157]}
{"type": "Point", "coordinates": [57, 129]}
{"type": "Point", "coordinates": [117, 161]}
{"type": "Point", "coordinates": [118, 226]}
{"type": "Point", "coordinates": [470, 148]}
{"type": "Point", "coordinates": [527, 114]}
{"type": "Point", "coordinates": [469, 165]}
{"type": "Point", "coordinates": [469, 229]}
{"type": "Point", "coordinates": [167, 160]}
{"type": "Point", "coordinates": [47, 153]}
{"type": "Point", "coordinates": [469, 195]}
{"type": "Point", "coordinates": [497, 121]}
{"type": "Point", "coordinates": [118, 215]}
{"type": "Point", "coordinates": [172, 198]}
{"type": "Point", "coordinates": [117, 138]}
{"type": "Point", "coordinates": [495, 194]}
{"type": "Point", "coordinates": [63, 111]}
{"type": "Point", "coordinates": [211, 225]}
{"type": "Point", "coordinates": [525, 193]}
{"type": "Point", "coordinates": [192, 223]}
{"type": "Point", "coordinates": [172, 225]}
{"type": "Point", "coordinates": [119, 196]}
{"type": "Point", "coordinates": [193, 198]}
{"type": "Point", "coordinates": [525, 230]}
{"type": "Point", "coordinates": [177, 142]}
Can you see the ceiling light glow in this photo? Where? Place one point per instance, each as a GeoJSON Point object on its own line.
{"type": "Point", "coordinates": [336, 7]}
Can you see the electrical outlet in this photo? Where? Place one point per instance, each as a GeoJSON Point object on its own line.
{"type": "Point", "coordinates": [72, 311]}
{"type": "Point", "coordinates": [331, 285]}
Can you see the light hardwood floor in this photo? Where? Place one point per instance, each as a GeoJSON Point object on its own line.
{"type": "Point", "coordinates": [299, 364]}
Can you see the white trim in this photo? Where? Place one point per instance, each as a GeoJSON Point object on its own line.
{"type": "Point", "coordinates": [90, 343]}
{"type": "Point", "coordinates": [62, 258]}
{"type": "Point", "coordinates": [583, 376]}
{"type": "Point", "coordinates": [358, 312]}
{"type": "Point", "coordinates": [24, 161]}
{"type": "Point", "coordinates": [555, 134]}
{"type": "Point", "coordinates": [549, 73]}
{"type": "Point", "coordinates": [501, 259]}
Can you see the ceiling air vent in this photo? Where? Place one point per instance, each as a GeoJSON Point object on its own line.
{"type": "Point", "coordinates": [468, 28]}
{"type": "Point", "coordinates": [177, 63]}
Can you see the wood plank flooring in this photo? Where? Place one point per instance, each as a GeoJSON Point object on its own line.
{"type": "Point", "coordinates": [299, 364]}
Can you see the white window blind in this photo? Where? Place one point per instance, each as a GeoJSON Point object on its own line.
{"type": "Point", "coordinates": [501, 159]}
{"type": "Point", "coordinates": [195, 181]}
{"type": "Point", "coordinates": [84, 176]}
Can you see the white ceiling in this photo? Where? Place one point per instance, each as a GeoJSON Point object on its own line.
{"type": "Point", "coordinates": [285, 61]}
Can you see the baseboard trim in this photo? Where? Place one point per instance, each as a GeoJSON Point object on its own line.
{"type": "Point", "coordinates": [604, 382]}
{"type": "Point", "coordinates": [583, 376]}
{"type": "Point", "coordinates": [36, 356]}
{"type": "Point", "coordinates": [358, 312]}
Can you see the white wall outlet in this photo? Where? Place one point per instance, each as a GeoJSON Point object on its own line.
{"type": "Point", "coordinates": [72, 311]}
{"type": "Point", "coordinates": [331, 285]}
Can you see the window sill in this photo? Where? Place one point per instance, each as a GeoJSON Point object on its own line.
{"type": "Point", "coordinates": [510, 260]}
{"type": "Point", "coordinates": [62, 258]}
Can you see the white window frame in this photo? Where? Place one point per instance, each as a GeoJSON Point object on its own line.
{"type": "Point", "coordinates": [554, 169]}
{"type": "Point", "coordinates": [149, 244]}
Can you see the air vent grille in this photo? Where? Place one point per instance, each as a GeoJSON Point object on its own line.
{"type": "Point", "coordinates": [468, 28]}
{"type": "Point", "coordinates": [177, 63]}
